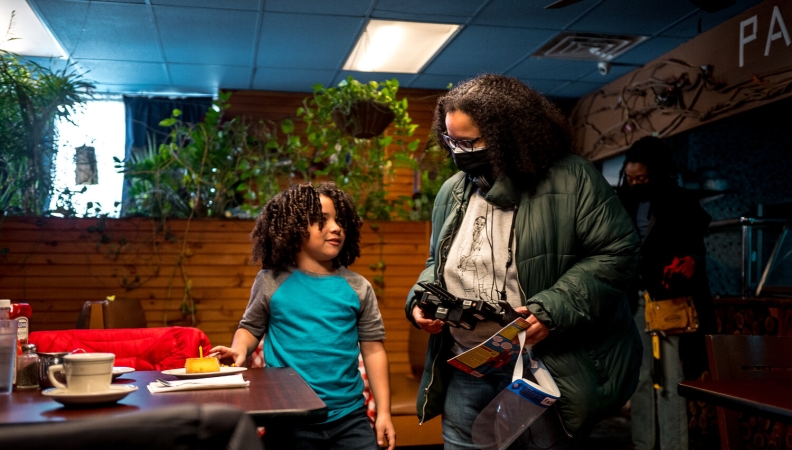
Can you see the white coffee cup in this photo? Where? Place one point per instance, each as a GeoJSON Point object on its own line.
{"type": "Point", "coordinates": [85, 372]}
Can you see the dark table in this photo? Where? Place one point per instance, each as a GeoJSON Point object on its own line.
{"type": "Point", "coordinates": [767, 398]}
{"type": "Point", "coordinates": [274, 395]}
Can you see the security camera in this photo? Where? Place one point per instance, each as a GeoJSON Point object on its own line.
{"type": "Point", "coordinates": [603, 67]}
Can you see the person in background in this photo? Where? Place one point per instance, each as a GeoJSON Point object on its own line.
{"type": "Point", "coordinates": [527, 222]}
{"type": "Point", "coordinates": [672, 225]}
{"type": "Point", "coordinates": [318, 316]}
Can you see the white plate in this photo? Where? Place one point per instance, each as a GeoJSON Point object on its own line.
{"type": "Point", "coordinates": [115, 393]}
{"type": "Point", "coordinates": [118, 371]}
{"type": "Point", "coordinates": [181, 373]}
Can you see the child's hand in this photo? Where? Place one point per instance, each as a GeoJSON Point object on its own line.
{"type": "Point", "coordinates": [228, 355]}
{"type": "Point", "coordinates": [386, 434]}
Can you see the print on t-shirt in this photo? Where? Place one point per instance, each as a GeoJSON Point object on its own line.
{"type": "Point", "coordinates": [474, 270]}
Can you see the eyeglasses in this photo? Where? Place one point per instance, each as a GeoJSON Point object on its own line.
{"type": "Point", "coordinates": [465, 145]}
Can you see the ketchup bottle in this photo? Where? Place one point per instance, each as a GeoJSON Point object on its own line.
{"type": "Point", "coordinates": [22, 312]}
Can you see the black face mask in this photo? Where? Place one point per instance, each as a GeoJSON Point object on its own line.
{"type": "Point", "coordinates": [473, 163]}
{"type": "Point", "coordinates": [641, 192]}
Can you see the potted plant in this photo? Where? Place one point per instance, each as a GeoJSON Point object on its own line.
{"type": "Point", "coordinates": [32, 99]}
{"type": "Point", "coordinates": [214, 168]}
{"type": "Point", "coordinates": [326, 148]}
{"type": "Point", "coordinates": [362, 110]}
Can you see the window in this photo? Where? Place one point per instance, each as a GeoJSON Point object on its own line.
{"type": "Point", "coordinates": [101, 126]}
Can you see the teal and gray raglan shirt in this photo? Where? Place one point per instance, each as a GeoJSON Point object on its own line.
{"type": "Point", "coordinates": [313, 324]}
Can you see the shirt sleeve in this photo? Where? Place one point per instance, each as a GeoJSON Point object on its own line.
{"type": "Point", "coordinates": [257, 313]}
{"type": "Point", "coordinates": [370, 326]}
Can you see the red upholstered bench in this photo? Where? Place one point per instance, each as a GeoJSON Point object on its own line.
{"type": "Point", "coordinates": [139, 348]}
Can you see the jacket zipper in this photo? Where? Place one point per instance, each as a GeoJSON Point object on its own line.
{"type": "Point", "coordinates": [438, 275]}
{"type": "Point", "coordinates": [428, 386]}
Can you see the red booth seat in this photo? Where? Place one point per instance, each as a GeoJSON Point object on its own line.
{"type": "Point", "coordinates": [139, 348]}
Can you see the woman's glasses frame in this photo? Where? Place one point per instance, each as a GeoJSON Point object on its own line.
{"type": "Point", "coordinates": [466, 145]}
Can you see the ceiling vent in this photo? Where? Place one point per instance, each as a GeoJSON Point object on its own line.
{"type": "Point", "coordinates": [590, 47]}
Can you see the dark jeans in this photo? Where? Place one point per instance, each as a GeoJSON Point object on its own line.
{"type": "Point", "coordinates": [349, 432]}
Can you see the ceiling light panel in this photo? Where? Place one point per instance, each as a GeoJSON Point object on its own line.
{"type": "Point", "coordinates": [398, 47]}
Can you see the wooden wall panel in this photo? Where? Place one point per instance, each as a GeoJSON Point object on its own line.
{"type": "Point", "coordinates": [58, 264]}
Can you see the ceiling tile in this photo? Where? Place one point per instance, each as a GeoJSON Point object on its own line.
{"type": "Point", "coordinates": [544, 87]}
{"type": "Point", "coordinates": [335, 7]}
{"type": "Point", "coordinates": [633, 17]}
{"type": "Point", "coordinates": [575, 89]}
{"type": "Point", "coordinates": [290, 80]}
{"type": "Point", "coordinates": [649, 50]}
{"type": "Point", "coordinates": [124, 72]}
{"type": "Point", "coordinates": [530, 14]}
{"type": "Point", "coordinates": [306, 41]}
{"type": "Point", "coordinates": [365, 77]}
{"type": "Point", "coordinates": [689, 28]}
{"type": "Point", "coordinates": [478, 49]}
{"type": "Point", "coordinates": [424, 11]}
{"type": "Point", "coordinates": [552, 68]}
{"type": "Point", "coordinates": [248, 5]}
{"type": "Point", "coordinates": [207, 36]}
{"type": "Point", "coordinates": [222, 77]}
{"type": "Point", "coordinates": [61, 17]}
{"type": "Point", "coordinates": [616, 71]}
{"type": "Point", "coordinates": [428, 81]}
{"type": "Point", "coordinates": [106, 37]}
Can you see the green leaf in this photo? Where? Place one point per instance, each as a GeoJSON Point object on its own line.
{"type": "Point", "coordinates": [287, 126]}
{"type": "Point", "coordinates": [167, 122]}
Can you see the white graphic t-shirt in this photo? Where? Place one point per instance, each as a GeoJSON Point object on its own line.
{"type": "Point", "coordinates": [476, 265]}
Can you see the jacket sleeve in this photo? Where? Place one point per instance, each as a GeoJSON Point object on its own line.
{"type": "Point", "coordinates": [607, 248]}
{"type": "Point", "coordinates": [442, 208]}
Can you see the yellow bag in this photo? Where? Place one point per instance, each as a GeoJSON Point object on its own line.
{"type": "Point", "coordinates": [671, 316]}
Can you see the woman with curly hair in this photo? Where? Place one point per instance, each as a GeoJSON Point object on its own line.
{"type": "Point", "coordinates": [555, 243]}
{"type": "Point", "coordinates": [317, 316]}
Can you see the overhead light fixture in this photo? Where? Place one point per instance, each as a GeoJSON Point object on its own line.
{"type": "Point", "coordinates": [25, 35]}
{"type": "Point", "coordinates": [398, 47]}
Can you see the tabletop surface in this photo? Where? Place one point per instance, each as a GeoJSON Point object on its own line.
{"type": "Point", "coordinates": [274, 394]}
{"type": "Point", "coordinates": [772, 398]}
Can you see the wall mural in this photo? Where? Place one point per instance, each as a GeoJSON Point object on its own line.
{"type": "Point", "coordinates": [741, 64]}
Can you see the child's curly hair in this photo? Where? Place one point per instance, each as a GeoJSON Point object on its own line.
{"type": "Point", "coordinates": [283, 224]}
{"type": "Point", "coordinates": [524, 133]}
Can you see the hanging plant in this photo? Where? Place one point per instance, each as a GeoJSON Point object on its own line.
{"type": "Point", "coordinates": [345, 140]}
{"type": "Point", "coordinates": [365, 119]}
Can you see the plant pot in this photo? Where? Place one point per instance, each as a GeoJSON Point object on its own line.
{"type": "Point", "coordinates": [365, 120]}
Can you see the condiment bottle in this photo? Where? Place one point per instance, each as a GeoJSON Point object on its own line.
{"type": "Point", "coordinates": [21, 312]}
{"type": "Point", "coordinates": [27, 368]}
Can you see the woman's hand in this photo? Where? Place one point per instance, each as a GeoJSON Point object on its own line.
{"type": "Point", "coordinates": [537, 330]}
{"type": "Point", "coordinates": [228, 355]}
{"type": "Point", "coordinates": [433, 326]}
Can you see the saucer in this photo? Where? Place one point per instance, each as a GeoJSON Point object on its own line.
{"type": "Point", "coordinates": [115, 393]}
{"type": "Point", "coordinates": [118, 371]}
{"type": "Point", "coordinates": [182, 373]}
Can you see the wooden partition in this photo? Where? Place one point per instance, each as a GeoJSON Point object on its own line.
{"type": "Point", "coordinates": [58, 264]}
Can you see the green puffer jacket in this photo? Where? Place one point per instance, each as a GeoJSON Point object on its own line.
{"type": "Point", "coordinates": [576, 249]}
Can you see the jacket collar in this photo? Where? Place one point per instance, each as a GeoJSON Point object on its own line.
{"type": "Point", "coordinates": [503, 193]}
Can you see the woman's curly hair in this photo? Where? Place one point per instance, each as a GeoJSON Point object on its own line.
{"type": "Point", "coordinates": [283, 224]}
{"type": "Point", "coordinates": [524, 133]}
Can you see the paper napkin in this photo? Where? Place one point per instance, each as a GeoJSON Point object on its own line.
{"type": "Point", "coordinates": [192, 384]}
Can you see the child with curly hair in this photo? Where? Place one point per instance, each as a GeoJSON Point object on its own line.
{"type": "Point", "coordinates": [317, 317]}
